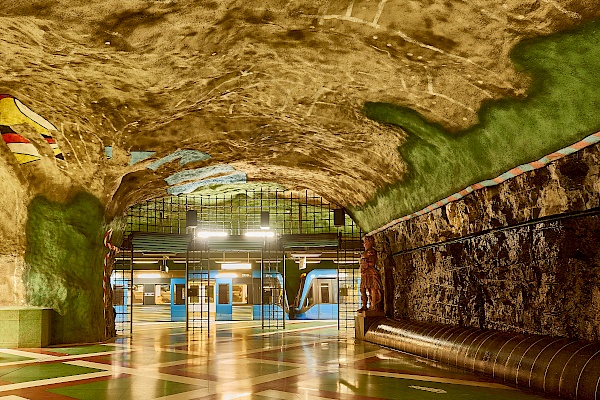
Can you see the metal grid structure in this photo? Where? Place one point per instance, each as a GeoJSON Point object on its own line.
{"type": "Point", "coordinates": [273, 302]}
{"type": "Point", "coordinates": [349, 252]}
{"type": "Point", "coordinates": [122, 288]}
{"type": "Point", "coordinates": [201, 289]}
{"type": "Point", "coordinates": [290, 213]}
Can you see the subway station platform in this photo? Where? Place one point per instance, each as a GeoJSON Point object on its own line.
{"type": "Point", "coordinates": [309, 360]}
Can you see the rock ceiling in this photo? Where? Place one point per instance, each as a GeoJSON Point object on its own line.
{"type": "Point", "coordinates": [271, 89]}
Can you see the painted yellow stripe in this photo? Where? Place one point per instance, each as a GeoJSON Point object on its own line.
{"type": "Point", "coordinates": [25, 158]}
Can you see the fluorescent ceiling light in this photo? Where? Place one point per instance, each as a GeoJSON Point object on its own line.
{"type": "Point", "coordinates": [227, 275]}
{"type": "Point", "coordinates": [301, 255]}
{"type": "Point", "coordinates": [236, 266]}
{"type": "Point", "coordinates": [309, 261]}
{"type": "Point", "coordinates": [207, 234]}
{"type": "Point", "coordinates": [145, 261]}
{"type": "Point", "coordinates": [151, 275]}
{"type": "Point", "coordinates": [260, 234]}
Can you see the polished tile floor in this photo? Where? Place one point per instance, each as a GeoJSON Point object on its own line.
{"type": "Point", "coordinates": [309, 360]}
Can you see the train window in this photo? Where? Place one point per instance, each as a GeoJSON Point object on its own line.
{"type": "Point", "coordinates": [325, 295]}
{"type": "Point", "coordinates": [118, 295]}
{"type": "Point", "coordinates": [269, 296]}
{"type": "Point", "coordinates": [162, 294]}
{"type": "Point", "coordinates": [210, 294]}
{"type": "Point", "coordinates": [193, 294]}
{"type": "Point", "coordinates": [240, 294]}
{"type": "Point", "coordinates": [223, 293]}
{"type": "Point", "coordinates": [309, 298]}
{"type": "Point", "coordinates": [179, 294]}
{"type": "Point", "coordinates": [138, 294]}
{"type": "Point", "coordinates": [271, 291]}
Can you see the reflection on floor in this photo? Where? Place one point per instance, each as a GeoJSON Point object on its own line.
{"type": "Point", "coordinates": [154, 313]}
{"type": "Point", "coordinates": [310, 360]}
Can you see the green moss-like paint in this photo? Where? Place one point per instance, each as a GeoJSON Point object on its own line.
{"type": "Point", "coordinates": [64, 261]}
{"type": "Point", "coordinates": [562, 107]}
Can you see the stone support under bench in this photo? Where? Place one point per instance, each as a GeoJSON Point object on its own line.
{"type": "Point", "coordinates": [363, 320]}
{"type": "Point", "coordinates": [24, 327]}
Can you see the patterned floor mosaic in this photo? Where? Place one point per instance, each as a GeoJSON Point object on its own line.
{"type": "Point", "coordinates": [236, 361]}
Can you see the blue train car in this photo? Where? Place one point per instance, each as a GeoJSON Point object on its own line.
{"type": "Point", "coordinates": [317, 297]}
{"type": "Point", "coordinates": [229, 296]}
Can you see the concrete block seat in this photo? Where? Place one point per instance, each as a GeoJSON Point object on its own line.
{"type": "Point", "coordinates": [24, 326]}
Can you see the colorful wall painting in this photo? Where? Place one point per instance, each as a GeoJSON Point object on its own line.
{"type": "Point", "coordinates": [199, 173]}
{"type": "Point", "coordinates": [185, 156]}
{"type": "Point", "coordinates": [236, 177]}
{"type": "Point", "coordinates": [13, 112]}
{"type": "Point", "coordinates": [138, 156]}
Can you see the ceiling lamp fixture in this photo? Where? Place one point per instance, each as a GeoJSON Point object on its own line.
{"type": "Point", "coordinates": [149, 275]}
{"type": "Point", "coordinates": [236, 266]}
{"type": "Point", "coordinates": [307, 261]}
{"type": "Point", "coordinates": [305, 255]}
{"type": "Point", "coordinates": [227, 275]}
{"type": "Point", "coordinates": [264, 220]}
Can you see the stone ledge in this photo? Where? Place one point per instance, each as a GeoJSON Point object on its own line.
{"type": "Point", "coordinates": [24, 327]}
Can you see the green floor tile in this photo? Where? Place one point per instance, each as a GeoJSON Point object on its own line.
{"type": "Point", "coordinates": [41, 371]}
{"type": "Point", "coordinates": [5, 358]}
{"type": "Point", "coordinates": [124, 389]}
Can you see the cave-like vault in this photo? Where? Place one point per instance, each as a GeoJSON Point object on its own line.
{"type": "Point", "coordinates": [383, 107]}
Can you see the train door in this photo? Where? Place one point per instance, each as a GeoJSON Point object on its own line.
{"type": "Point", "coordinates": [224, 299]}
{"type": "Point", "coordinates": [241, 294]}
{"type": "Point", "coordinates": [327, 298]}
{"type": "Point", "coordinates": [178, 299]}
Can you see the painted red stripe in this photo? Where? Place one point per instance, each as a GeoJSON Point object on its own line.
{"type": "Point", "coordinates": [537, 164]}
{"type": "Point", "coordinates": [580, 145]}
{"type": "Point", "coordinates": [516, 171]}
{"type": "Point", "coordinates": [555, 156]}
{"type": "Point", "coordinates": [14, 138]}
{"type": "Point", "coordinates": [50, 140]}
{"type": "Point", "coordinates": [2, 96]}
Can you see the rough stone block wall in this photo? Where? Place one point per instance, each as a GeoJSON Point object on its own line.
{"type": "Point", "coordinates": [522, 256]}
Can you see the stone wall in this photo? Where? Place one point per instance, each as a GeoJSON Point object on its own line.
{"type": "Point", "coordinates": [521, 256]}
{"type": "Point", "coordinates": [64, 266]}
